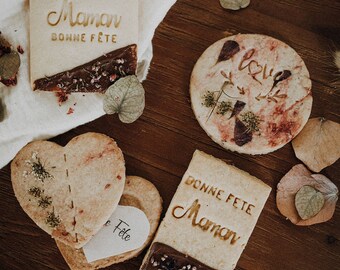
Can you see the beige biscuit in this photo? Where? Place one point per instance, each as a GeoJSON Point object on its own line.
{"type": "Point", "coordinates": [138, 193]}
{"type": "Point", "coordinates": [251, 93]}
{"type": "Point", "coordinates": [60, 187]}
{"type": "Point", "coordinates": [65, 34]}
{"type": "Point", "coordinates": [210, 218]}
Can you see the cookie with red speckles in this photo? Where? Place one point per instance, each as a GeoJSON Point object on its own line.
{"type": "Point", "coordinates": [210, 218]}
{"type": "Point", "coordinates": [251, 93]}
{"type": "Point", "coordinates": [71, 191]}
{"type": "Point", "coordinates": [139, 193]}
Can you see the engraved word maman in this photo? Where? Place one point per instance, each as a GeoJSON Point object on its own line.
{"type": "Point", "coordinates": [205, 224]}
{"type": "Point", "coordinates": [81, 18]}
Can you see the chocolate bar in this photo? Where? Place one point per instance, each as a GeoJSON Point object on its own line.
{"type": "Point", "coordinates": [94, 76]}
{"type": "Point", "coordinates": [167, 258]}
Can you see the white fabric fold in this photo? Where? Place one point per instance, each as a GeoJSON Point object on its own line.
{"type": "Point", "coordinates": [37, 115]}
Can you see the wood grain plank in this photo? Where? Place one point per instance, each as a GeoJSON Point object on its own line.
{"type": "Point", "coordinates": [160, 144]}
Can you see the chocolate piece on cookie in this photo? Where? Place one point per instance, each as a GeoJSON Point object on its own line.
{"type": "Point", "coordinates": [94, 76]}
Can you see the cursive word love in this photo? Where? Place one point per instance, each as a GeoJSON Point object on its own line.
{"type": "Point", "coordinates": [82, 18]}
{"type": "Point", "coordinates": [203, 223]}
{"type": "Point", "coordinates": [254, 68]}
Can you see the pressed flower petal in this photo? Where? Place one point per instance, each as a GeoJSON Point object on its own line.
{"type": "Point", "coordinates": [318, 144]}
{"type": "Point", "coordinates": [290, 185]}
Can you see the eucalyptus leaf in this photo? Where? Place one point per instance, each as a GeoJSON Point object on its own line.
{"type": "Point", "coordinates": [126, 97]}
{"type": "Point", "coordinates": [9, 65]}
{"type": "Point", "coordinates": [234, 4]}
{"type": "Point", "coordinates": [5, 46]}
{"type": "Point", "coordinates": [308, 202]}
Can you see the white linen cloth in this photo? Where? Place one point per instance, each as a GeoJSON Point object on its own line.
{"type": "Point", "coordinates": [37, 115]}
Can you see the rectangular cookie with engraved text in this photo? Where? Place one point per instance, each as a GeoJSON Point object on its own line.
{"type": "Point", "coordinates": [210, 218]}
{"type": "Point", "coordinates": [82, 45]}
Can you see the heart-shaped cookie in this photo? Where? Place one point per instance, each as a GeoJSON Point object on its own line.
{"type": "Point", "coordinates": [70, 191]}
{"type": "Point", "coordinates": [138, 193]}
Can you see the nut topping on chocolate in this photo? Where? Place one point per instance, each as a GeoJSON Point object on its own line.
{"type": "Point", "coordinates": [164, 257]}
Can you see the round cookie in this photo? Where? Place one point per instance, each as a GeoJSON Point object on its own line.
{"type": "Point", "coordinates": [251, 93]}
{"type": "Point", "coordinates": [138, 193]}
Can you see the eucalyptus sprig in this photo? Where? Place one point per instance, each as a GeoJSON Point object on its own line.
{"type": "Point", "coordinates": [126, 97]}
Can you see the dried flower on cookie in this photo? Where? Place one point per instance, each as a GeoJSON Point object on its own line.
{"type": "Point", "coordinates": [37, 168]}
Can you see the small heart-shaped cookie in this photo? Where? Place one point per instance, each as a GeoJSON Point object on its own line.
{"type": "Point", "coordinates": [70, 191]}
{"type": "Point", "coordinates": [139, 193]}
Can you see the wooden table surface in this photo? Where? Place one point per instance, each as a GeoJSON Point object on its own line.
{"type": "Point", "coordinates": [160, 144]}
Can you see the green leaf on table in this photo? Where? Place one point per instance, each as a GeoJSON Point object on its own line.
{"type": "Point", "coordinates": [5, 46]}
{"type": "Point", "coordinates": [308, 202]}
{"type": "Point", "coordinates": [126, 97]}
{"type": "Point", "coordinates": [9, 65]}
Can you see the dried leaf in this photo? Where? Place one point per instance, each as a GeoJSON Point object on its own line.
{"type": "Point", "coordinates": [308, 202]}
{"type": "Point", "coordinates": [238, 107]}
{"type": "Point", "coordinates": [242, 135]}
{"type": "Point", "coordinates": [125, 97]}
{"type": "Point", "coordinates": [229, 49]}
{"type": "Point", "coordinates": [318, 144]}
{"type": "Point", "coordinates": [234, 4]}
{"type": "Point", "coordinates": [281, 76]}
{"type": "Point", "coordinates": [292, 182]}
{"type": "Point", "coordinates": [5, 46]}
{"type": "Point", "coordinates": [9, 65]}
